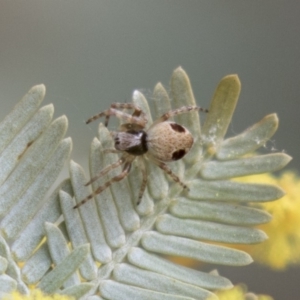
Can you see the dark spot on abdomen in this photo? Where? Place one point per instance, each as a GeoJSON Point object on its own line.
{"type": "Point", "coordinates": [178, 154]}
{"type": "Point", "coordinates": [177, 127]}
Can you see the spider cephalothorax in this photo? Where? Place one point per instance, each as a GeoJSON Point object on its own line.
{"type": "Point", "coordinates": [164, 141]}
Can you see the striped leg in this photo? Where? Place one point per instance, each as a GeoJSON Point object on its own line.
{"type": "Point", "coordinates": [138, 117]}
{"type": "Point", "coordinates": [178, 111]}
{"type": "Point", "coordinates": [105, 171]}
{"type": "Point", "coordinates": [101, 188]}
{"type": "Point", "coordinates": [166, 169]}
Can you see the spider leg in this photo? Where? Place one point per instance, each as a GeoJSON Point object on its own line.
{"type": "Point", "coordinates": [138, 117]}
{"type": "Point", "coordinates": [130, 126]}
{"type": "Point", "coordinates": [178, 111]}
{"type": "Point", "coordinates": [144, 181]}
{"type": "Point", "coordinates": [166, 169]}
{"type": "Point", "coordinates": [111, 151]}
{"type": "Point", "coordinates": [100, 189]}
{"type": "Point", "coordinates": [137, 112]}
{"type": "Point", "coordinates": [106, 170]}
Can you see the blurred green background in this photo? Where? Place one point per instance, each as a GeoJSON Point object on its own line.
{"type": "Point", "coordinates": [92, 53]}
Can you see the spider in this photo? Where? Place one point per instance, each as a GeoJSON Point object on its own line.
{"type": "Point", "coordinates": [164, 141]}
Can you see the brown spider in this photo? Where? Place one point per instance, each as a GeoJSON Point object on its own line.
{"type": "Point", "coordinates": [164, 141]}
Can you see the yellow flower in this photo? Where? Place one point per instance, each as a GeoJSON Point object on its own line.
{"type": "Point", "coordinates": [282, 247]}
{"type": "Point", "coordinates": [239, 292]}
{"type": "Point", "coordinates": [36, 295]}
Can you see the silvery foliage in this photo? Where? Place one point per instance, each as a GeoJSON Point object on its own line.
{"type": "Point", "coordinates": [110, 248]}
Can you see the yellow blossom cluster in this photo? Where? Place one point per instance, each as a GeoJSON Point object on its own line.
{"type": "Point", "coordinates": [239, 292]}
{"type": "Point", "coordinates": [36, 295]}
{"type": "Point", "coordinates": [282, 247]}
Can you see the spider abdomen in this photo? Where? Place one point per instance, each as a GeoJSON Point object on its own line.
{"type": "Point", "coordinates": [168, 141]}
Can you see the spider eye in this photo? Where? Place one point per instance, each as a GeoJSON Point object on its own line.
{"type": "Point", "coordinates": [178, 154]}
{"type": "Point", "coordinates": [177, 127]}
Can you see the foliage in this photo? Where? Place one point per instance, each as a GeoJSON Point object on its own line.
{"type": "Point", "coordinates": [110, 248]}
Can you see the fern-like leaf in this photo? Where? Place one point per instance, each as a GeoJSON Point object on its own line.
{"type": "Point", "coordinates": [126, 241]}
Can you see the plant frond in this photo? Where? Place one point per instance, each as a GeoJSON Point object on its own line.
{"type": "Point", "coordinates": [126, 242]}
